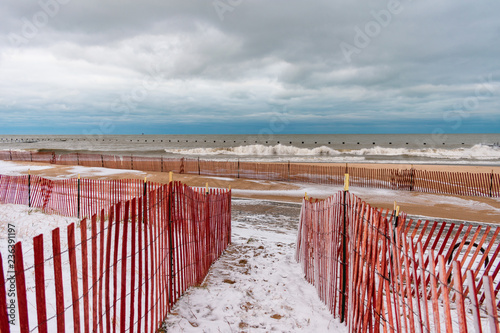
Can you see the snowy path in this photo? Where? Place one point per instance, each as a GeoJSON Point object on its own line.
{"type": "Point", "coordinates": [256, 286]}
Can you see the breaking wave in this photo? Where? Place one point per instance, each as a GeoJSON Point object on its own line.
{"type": "Point", "coordinates": [259, 150]}
{"type": "Point", "coordinates": [477, 152]}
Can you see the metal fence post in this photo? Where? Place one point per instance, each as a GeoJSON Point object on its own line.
{"type": "Point", "coordinates": [170, 240]}
{"type": "Point", "coordinates": [412, 181]}
{"type": "Point", "coordinates": [78, 197]}
{"type": "Point", "coordinates": [344, 247]}
{"type": "Point", "coordinates": [491, 184]}
{"type": "Point", "coordinates": [29, 188]}
{"type": "Point", "coordinates": [144, 194]}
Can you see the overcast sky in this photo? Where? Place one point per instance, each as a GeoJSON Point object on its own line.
{"type": "Point", "coordinates": [244, 66]}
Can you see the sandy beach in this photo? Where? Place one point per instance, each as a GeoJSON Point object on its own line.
{"type": "Point", "coordinates": [437, 206]}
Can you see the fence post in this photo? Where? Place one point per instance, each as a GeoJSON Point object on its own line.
{"type": "Point", "coordinates": [288, 170]}
{"type": "Point", "coordinates": [78, 197]}
{"type": "Point", "coordinates": [412, 184]}
{"type": "Point", "coordinates": [161, 166]}
{"type": "Point", "coordinates": [10, 153]}
{"type": "Point", "coordinates": [31, 156]}
{"type": "Point", "coordinates": [102, 161]}
{"type": "Point", "coordinates": [181, 168]}
{"type": "Point", "coordinates": [29, 188]}
{"type": "Point", "coordinates": [132, 162]}
{"type": "Point", "coordinates": [238, 168]}
{"type": "Point", "coordinates": [395, 214]}
{"type": "Point", "coordinates": [396, 218]}
{"type": "Point", "coordinates": [77, 159]}
{"type": "Point", "coordinates": [207, 227]}
{"type": "Point", "coordinates": [199, 170]}
{"type": "Point", "coordinates": [344, 247]}
{"type": "Point", "coordinates": [170, 240]}
{"type": "Point", "coordinates": [491, 183]}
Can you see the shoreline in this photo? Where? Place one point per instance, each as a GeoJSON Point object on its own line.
{"type": "Point", "coordinates": [439, 206]}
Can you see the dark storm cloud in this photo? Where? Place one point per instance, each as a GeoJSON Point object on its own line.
{"type": "Point", "coordinates": [226, 60]}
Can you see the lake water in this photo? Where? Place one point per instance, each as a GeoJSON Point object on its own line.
{"type": "Point", "coordinates": [467, 149]}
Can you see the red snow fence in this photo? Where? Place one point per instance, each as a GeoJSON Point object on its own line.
{"type": "Point", "coordinates": [120, 270]}
{"type": "Point", "coordinates": [439, 182]}
{"type": "Point", "coordinates": [379, 271]}
{"type": "Point", "coordinates": [70, 197]}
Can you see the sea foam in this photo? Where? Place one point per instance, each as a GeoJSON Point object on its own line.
{"type": "Point", "coordinates": [477, 152]}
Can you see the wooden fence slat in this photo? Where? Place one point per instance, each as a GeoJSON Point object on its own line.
{"type": "Point", "coordinates": [40, 283]}
{"type": "Point", "coordinates": [107, 269]}
{"type": "Point", "coordinates": [458, 285]}
{"type": "Point", "coordinates": [102, 251]}
{"type": "Point", "coordinates": [58, 279]}
{"type": "Point", "coordinates": [146, 265]}
{"type": "Point", "coordinates": [140, 263]}
{"type": "Point", "coordinates": [115, 263]}
{"type": "Point", "coordinates": [424, 285]}
{"type": "Point", "coordinates": [85, 276]}
{"type": "Point", "coordinates": [124, 267]}
{"type": "Point", "coordinates": [4, 315]}
{"type": "Point", "coordinates": [22, 302]}
{"type": "Point", "coordinates": [94, 273]}
{"type": "Point", "coordinates": [435, 304]}
{"type": "Point", "coordinates": [446, 299]}
{"type": "Point", "coordinates": [475, 304]}
{"type": "Point", "coordinates": [132, 265]}
{"type": "Point", "coordinates": [151, 197]}
{"type": "Point", "coordinates": [74, 277]}
{"type": "Point", "coordinates": [491, 304]}
{"type": "Point", "coordinates": [414, 264]}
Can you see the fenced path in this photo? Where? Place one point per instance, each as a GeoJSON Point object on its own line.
{"type": "Point", "coordinates": [377, 270]}
{"type": "Point", "coordinates": [396, 178]}
{"type": "Point", "coordinates": [123, 268]}
{"type": "Point", "coordinates": [256, 285]}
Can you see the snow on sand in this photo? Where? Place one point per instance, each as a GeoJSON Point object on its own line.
{"type": "Point", "coordinates": [256, 286]}
{"type": "Point", "coordinates": [28, 223]}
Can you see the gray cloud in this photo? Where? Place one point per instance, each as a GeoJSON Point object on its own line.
{"type": "Point", "coordinates": [129, 60]}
